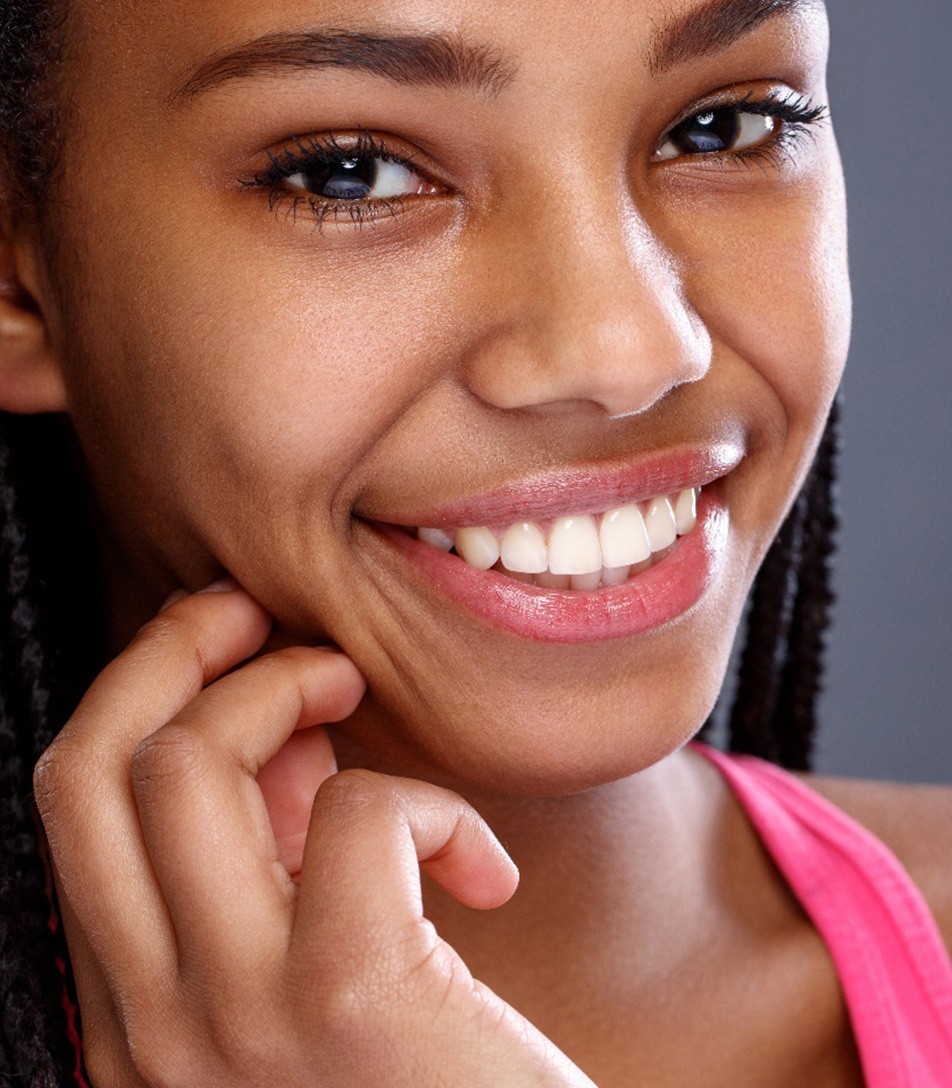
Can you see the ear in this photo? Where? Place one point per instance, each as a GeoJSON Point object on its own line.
{"type": "Point", "coordinates": [30, 376]}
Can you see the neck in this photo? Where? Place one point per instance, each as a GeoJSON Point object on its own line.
{"type": "Point", "coordinates": [614, 886]}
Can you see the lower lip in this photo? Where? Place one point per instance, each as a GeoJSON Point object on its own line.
{"type": "Point", "coordinates": [647, 601]}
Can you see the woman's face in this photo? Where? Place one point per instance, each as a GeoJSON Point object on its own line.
{"type": "Point", "coordinates": [551, 270]}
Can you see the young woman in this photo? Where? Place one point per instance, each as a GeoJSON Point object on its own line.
{"type": "Point", "coordinates": [474, 358]}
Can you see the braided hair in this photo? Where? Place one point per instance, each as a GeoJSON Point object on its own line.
{"type": "Point", "coordinates": [50, 649]}
{"type": "Point", "coordinates": [51, 592]}
{"type": "Point", "coordinates": [54, 641]}
{"type": "Point", "coordinates": [781, 665]}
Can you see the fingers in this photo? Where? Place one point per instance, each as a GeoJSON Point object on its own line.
{"type": "Point", "coordinates": [104, 1035]}
{"type": "Point", "coordinates": [370, 834]}
{"type": "Point", "coordinates": [83, 787]}
{"type": "Point", "coordinates": [180, 914]}
{"type": "Point", "coordinates": [203, 816]}
{"type": "Point", "coordinates": [288, 784]}
{"type": "Point", "coordinates": [175, 655]}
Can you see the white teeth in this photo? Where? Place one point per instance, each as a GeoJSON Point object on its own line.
{"type": "Point", "coordinates": [587, 581]}
{"type": "Point", "coordinates": [685, 510]}
{"type": "Point", "coordinates": [624, 537]}
{"type": "Point", "coordinates": [438, 539]}
{"type": "Point", "coordinates": [583, 551]}
{"type": "Point", "coordinates": [519, 576]}
{"type": "Point", "coordinates": [660, 523]}
{"type": "Point", "coordinates": [574, 547]}
{"type": "Point", "coordinates": [523, 549]}
{"type": "Point", "coordinates": [548, 580]}
{"type": "Point", "coordinates": [478, 547]}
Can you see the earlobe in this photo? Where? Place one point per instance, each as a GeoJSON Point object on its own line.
{"type": "Point", "coordinates": [30, 377]}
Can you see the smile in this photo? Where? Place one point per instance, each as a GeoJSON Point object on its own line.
{"type": "Point", "coordinates": [575, 556]}
{"type": "Point", "coordinates": [581, 552]}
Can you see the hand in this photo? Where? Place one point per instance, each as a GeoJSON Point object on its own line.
{"type": "Point", "coordinates": [199, 962]}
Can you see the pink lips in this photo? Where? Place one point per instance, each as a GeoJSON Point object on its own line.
{"type": "Point", "coordinates": [649, 600]}
{"type": "Point", "coordinates": [582, 491]}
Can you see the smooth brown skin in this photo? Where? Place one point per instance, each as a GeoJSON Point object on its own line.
{"type": "Point", "coordinates": [243, 385]}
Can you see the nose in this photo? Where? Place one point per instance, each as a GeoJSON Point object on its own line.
{"type": "Point", "coordinates": [592, 313]}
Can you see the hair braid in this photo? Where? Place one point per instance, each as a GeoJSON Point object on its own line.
{"type": "Point", "coordinates": [781, 665]}
{"type": "Point", "coordinates": [38, 686]}
{"type": "Point", "coordinates": [768, 625]}
{"type": "Point", "coordinates": [801, 683]}
{"type": "Point", "coordinates": [32, 1039]}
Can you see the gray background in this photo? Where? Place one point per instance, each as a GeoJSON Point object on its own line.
{"type": "Point", "coordinates": [887, 712]}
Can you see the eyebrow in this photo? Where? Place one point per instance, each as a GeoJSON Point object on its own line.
{"type": "Point", "coordinates": [447, 60]}
{"type": "Point", "coordinates": [442, 60]}
{"type": "Point", "coordinates": [713, 27]}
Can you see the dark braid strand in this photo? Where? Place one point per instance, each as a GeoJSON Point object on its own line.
{"type": "Point", "coordinates": [39, 685]}
{"type": "Point", "coordinates": [768, 624]}
{"type": "Point", "coordinates": [781, 667]}
{"type": "Point", "coordinates": [28, 983]}
{"type": "Point", "coordinates": [801, 684]}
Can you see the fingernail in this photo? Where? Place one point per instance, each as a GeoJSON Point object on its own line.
{"type": "Point", "coordinates": [177, 595]}
{"type": "Point", "coordinates": [223, 585]}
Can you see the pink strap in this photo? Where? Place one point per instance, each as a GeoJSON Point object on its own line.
{"type": "Point", "coordinates": [885, 944]}
{"type": "Point", "coordinates": [72, 1032]}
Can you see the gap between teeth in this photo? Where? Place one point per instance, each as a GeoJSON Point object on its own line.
{"type": "Point", "coordinates": [580, 551]}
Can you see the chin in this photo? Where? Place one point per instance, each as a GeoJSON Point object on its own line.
{"type": "Point", "coordinates": [532, 743]}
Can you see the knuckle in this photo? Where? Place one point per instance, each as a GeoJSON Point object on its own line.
{"type": "Point", "coordinates": [171, 626]}
{"type": "Point", "coordinates": [282, 668]}
{"type": "Point", "coordinates": [48, 775]}
{"type": "Point", "coordinates": [55, 779]}
{"type": "Point", "coordinates": [166, 759]}
{"type": "Point", "coordinates": [285, 668]}
{"type": "Point", "coordinates": [283, 675]}
{"type": "Point", "coordinates": [348, 1009]}
{"type": "Point", "coordinates": [173, 636]}
{"type": "Point", "coordinates": [355, 789]}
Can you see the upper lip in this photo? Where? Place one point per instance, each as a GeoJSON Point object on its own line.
{"type": "Point", "coordinates": [589, 490]}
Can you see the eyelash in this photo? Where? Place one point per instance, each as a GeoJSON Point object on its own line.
{"type": "Point", "coordinates": [799, 119]}
{"type": "Point", "coordinates": [309, 153]}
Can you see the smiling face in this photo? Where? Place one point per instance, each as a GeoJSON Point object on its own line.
{"type": "Point", "coordinates": [329, 272]}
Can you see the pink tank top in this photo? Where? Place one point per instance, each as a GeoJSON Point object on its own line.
{"type": "Point", "coordinates": [892, 965]}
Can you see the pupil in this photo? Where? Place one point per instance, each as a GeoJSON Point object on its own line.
{"type": "Point", "coordinates": [716, 130]}
{"type": "Point", "coordinates": [349, 179]}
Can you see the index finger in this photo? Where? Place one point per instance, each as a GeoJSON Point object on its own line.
{"type": "Point", "coordinates": [83, 783]}
{"type": "Point", "coordinates": [169, 661]}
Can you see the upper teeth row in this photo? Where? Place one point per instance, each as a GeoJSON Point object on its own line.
{"type": "Point", "coordinates": [579, 544]}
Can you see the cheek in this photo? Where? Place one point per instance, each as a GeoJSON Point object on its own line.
{"type": "Point", "coordinates": [227, 378]}
{"type": "Point", "coordinates": [772, 286]}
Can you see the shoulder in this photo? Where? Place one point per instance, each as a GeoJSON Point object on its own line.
{"type": "Point", "coordinates": [915, 822]}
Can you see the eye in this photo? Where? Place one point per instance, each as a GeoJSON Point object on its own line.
{"type": "Point", "coordinates": [713, 131]}
{"type": "Point", "coordinates": [360, 177]}
{"type": "Point", "coordinates": [351, 179]}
